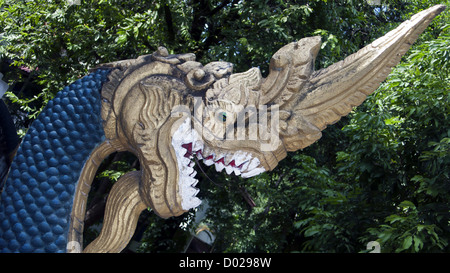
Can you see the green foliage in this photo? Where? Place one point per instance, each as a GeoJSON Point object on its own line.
{"type": "Point", "coordinates": [406, 232]}
{"type": "Point", "coordinates": [122, 167]}
{"type": "Point", "coordinates": [380, 174]}
{"type": "Point", "coordinates": [281, 202]}
{"type": "Point", "coordinates": [166, 235]}
{"type": "Point", "coordinates": [399, 150]}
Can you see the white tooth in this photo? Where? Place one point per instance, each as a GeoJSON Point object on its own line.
{"type": "Point", "coordinates": [244, 166]}
{"type": "Point", "coordinates": [253, 172]}
{"type": "Point", "coordinates": [240, 157]}
{"type": "Point", "coordinates": [208, 162]}
{"type": "Point", "coordinates": [195, 183]}
{"type": "Point", "coordinates": [190, 203]}
{"type": "Point", "coordinates": [219, 167]}
{"type": "Point", "coordinates": [214, 157]}
{"type": "Point", "coordinates": [206, 152]}
{"type": "Point", "coordinates": [228, 158]}
{"type": "Point", "coordinates": [244, 175]}
{"type": "Point", "coordinates": [188, 181]}
{"type": "Point", "coordinates": [229, 169]}
{"type": "Point", "coordinates": [186, 171]}
{"type": "Point", "coordinates": [185, 160]}
{"type": "Point", "coordinates": [195, 202]}
{"type": "Point", "coordinates": [253, 164]}
{"type": "Point", "coordinates": [197, 145]}
{"type": "Point", "coordinates": [237, 171]}
{"type": "Point", "coordinates": [190, 191]}
{"type": "Point", "coordinates": [196, 191]}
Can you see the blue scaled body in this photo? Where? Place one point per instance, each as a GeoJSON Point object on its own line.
{"type": "Point", "coordinates": [37, 198]}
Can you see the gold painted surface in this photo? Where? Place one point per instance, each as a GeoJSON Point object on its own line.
{"type": "Point", "coordinates": [75, 236]}
{"type": "Point", "coordinates": [122, 212]}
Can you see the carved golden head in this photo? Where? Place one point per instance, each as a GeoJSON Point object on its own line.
{"type": "Point", "coordinates": [170, 109]}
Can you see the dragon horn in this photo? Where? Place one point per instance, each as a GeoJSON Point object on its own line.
{"type": "Point", "coordinates": [328, 94]}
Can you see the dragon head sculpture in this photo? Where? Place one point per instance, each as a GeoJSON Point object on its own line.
{"type": "Point", "coordinates": [170, 109]}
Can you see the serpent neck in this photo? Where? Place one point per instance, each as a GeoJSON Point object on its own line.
{"type": "Point", "coordinates": [37, 200]}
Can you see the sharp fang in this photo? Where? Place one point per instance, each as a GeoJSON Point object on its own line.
{"type": "Point", "coordinates": [206, 152]}
{"type": "Point", "coordinates": [237, 171]}
{"type": "Point", "coordinates": [196, 191]}
{"type": "Point", "coordinates": [191, 191]}
{"type": "Point", "coordinates": [254, 162]}
{"type": "Point", "coordinates": [198, 145]}
{"type": "Point", "coordinates": [186, 161]}
{"type": "Point", "coordinates": [219, 167]}
{"type": "Point", "coordinates": [244, 165]}
{"type": "Point", "coordinates": [240, 157]}
{"type": "Point", "coordinates": [195, 183]}
{"type": "Point", "coordinates": [229, 169]}
{"type": "Point", "coordinates": [228, 158]}
{"type": "Point", "coordinates": [208, 162]}
{"type": "Point", "coordinates": [195, 202]}
{"type": "Point", "coordinates": [253, 172]}
{"type": "Point", "coordinates": [187, 143]}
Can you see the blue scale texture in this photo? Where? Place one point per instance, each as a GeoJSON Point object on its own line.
{"type": "Point", "coordinates": [37, 200]}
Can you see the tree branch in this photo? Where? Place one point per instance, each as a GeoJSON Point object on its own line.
{"type": "Point", "coordinates": [169, 23]}
{"type": "Point", "coordinates": [200, 10]}
{"type": "Point", "coordinates": [215, 32]}
{"type": "Point", "coordinates": [219, 7]}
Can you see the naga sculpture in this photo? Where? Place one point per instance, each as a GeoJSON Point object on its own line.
{"type": "Point", "coordinates": [168, 109]}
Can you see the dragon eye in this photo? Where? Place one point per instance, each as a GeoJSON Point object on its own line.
{"type": "Point", "coordinates": [221, 116]}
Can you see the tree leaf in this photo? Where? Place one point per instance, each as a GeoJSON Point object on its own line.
{"type": "Point", "coordinates": [407, 242]}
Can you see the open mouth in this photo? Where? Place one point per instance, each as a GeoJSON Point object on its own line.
{"type": "Point", "coordinates": [188, 145]}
